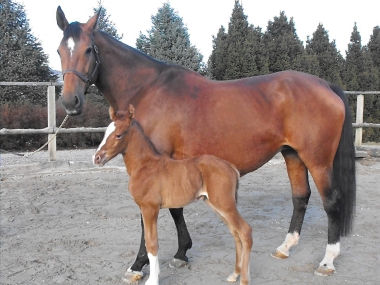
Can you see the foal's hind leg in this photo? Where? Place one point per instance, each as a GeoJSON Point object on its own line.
{"type": "Point", "coordinates": [225, 206]}
{"type": "Point", "coordinates": [298, 177]}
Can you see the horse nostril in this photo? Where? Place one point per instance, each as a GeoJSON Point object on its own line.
{"type": "Point", "coordinates": [97, 159]}
{"type": "Point", "coordinates": [77, 101]}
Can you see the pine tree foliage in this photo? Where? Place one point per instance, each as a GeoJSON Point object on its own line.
{"type": "Point", "coordinates": [239, 53]}
{"type": "Point", "coordinates": [168, 40]}
{"type": "Point", "coordinates": [374, 48]}
{"type": "Point", "coordinates": [216, 63]}
{"type": "Point", "coordinates": [283, 45]}
{"type": "Point", "coordinates": [104, 23]}
{"type": "Point", "coordinates": [330, 61]}
{"type": "Point", "coordinates": [21, 57]}
{"type": "Point", "coordinates": [361, 74]}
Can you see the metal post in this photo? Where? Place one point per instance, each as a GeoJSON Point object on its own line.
{"type": "Point", "coordinates": [359, 119]}
{"type": "Point", "coordinates": [52, 147]}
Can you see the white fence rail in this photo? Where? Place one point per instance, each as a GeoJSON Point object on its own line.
{"type": "Point", "coordinates": [52, 128]}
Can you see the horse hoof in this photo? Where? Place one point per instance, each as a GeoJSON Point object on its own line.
{"type": "Point", "coordinates": [324, 271]}
{"type": "Point", "coordinates": [132, 277]}
{"type": "Point", "coordinates": [233, 277]}
{"type": "Point", "coordinates": [177, 263]}
{"type": "Point", "coordinates": [279, 255]}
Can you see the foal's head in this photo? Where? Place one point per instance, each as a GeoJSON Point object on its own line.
{"type": "Point", "coordinates": [115, 139]}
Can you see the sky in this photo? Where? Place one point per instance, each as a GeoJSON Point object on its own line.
{"type": "Point", "coordinates": [203, 18]}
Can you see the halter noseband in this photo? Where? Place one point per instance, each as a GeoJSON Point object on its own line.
{"type": "Point", "coordinates": [86, 79]}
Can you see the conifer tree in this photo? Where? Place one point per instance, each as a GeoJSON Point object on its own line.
{"type": "Point", "coordinates": [283, 45]}
{"type": "Point", "coordinates": [239, 53]}
{"type": "Point", "coordinates": [216, 63]}
{"type": "Point", "coordinates": [21, 57]}
{"type": "Point", "coordinates": [168, 40]}
{"type": "Point", "coordinates": [330, 61]}
{"type": "Point", "coordinates": [374, 48]}
{"type": "Point", "coordinates": [104, 22]}
{"type": "Point", "coordinates": [360, 74]}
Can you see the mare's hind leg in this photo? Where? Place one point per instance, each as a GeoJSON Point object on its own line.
{"type": "Point", "coordinates": [184, 240]}
{"type": "Point", "coordinates": [299, 181]}
{"type": "Point", "coordinates": [331, 204]}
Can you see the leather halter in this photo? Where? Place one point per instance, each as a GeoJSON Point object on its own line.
{"type": "Point", "coordinates": [86, 79]}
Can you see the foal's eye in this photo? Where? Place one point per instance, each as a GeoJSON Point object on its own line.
{"type": "Point", "coordinates": [88, 51]}
{"type": "Point", "coordinates": [118, 137]}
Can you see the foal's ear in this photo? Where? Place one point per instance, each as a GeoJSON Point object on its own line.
{"type": "Point", "coordinates": [92, 22]}
{"type": "Point", "coordinates": [113, 116]}
{"type": "Point", "coordinates": [131, 111]}
{"type": "Point", "coordinates": [61, 19]}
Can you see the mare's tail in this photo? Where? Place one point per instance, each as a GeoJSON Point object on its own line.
{"type": "Point", "coordinates": [344, 176]}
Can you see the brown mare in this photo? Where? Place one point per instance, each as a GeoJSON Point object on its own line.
{"type": "Point", "coordinates": [158, 181]}
{"type": "Point", "coordinates": [245, 122]}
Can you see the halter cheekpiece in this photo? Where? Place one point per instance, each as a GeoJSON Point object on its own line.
{"type": "Point", "coordinates": [86, 79]}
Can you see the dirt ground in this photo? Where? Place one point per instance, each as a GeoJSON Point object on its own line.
{"type": "Point", "coordinates": [80, 226]}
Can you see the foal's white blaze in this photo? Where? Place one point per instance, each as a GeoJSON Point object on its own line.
{"type": "Point", "coordinates": [111, 127]}
{"type": "Point", "coordinates": [332, 251]}
{"type": "Point", "coordinates": [291, 240]}
{"type": "Point", "coordinates": [154, 270]}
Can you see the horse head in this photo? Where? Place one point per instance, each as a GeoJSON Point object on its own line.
{"type": "Point", "coordinates": [79, 60]}
{"type": "Point", "coordinates": [115, 138]}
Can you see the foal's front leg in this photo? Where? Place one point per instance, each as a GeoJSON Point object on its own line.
{"type": "Point", "coordinates": [150, 215]}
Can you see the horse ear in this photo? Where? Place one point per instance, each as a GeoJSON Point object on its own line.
{"type": "Point", "coordinates": [92, 22]}
{"type": "Point", "coordinates": [131, 111]}
{"type": "Point", "coordinates": [113, 116]}
{"type": "Point", "coordinates": [61, 19]}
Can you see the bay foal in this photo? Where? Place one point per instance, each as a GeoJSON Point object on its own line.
{"type": "Point", "coordinates": [158, 181]}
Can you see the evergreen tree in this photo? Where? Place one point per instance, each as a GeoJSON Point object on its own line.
{"type": "Point", "coordinates": [360, 74]}
{"type": "Point", "coordinates": [283, 45]}
{"type": "Point", "coordinates": [239, 53]}
{"type": "Point", "coordinates": [216, 63]}
{"type": "Point", "coordinates": [21, 57]}
{"type": "Point", "coordinates": [168, 40]}
{"type": "Point", "coordinates": [330, 61]}
{"type": "Point", "coordinates": [374, 48]}
{"type": "Point", "coordinates": [104, 22]}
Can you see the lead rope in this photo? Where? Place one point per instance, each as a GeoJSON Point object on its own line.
{"type": "Point", "coordinates": [56, 133]}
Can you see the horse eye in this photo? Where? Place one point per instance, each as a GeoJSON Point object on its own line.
{"type": "Point", "coordinates": [118, 136]}
{"type": "Point", "coordinates": [89, 50]}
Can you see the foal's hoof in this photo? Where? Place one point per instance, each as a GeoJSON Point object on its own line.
{"type": "Point", "coordinates": [177, 263]}
{"type": "Point", "coordinates": [132, 277]}
{"type": "Point", "coordinates": [233, 277]}
{"type": "Point", "coordinates": [323, 270]}
{"type": "Point", "coordinates": [279, 255]}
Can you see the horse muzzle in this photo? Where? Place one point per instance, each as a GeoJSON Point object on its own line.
{"type": "Point", "coordinates": [100, 158]}
{"type": "Point", "coordinates": [73, 105]}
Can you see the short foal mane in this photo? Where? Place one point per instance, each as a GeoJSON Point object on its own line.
{"type": "Point", "coordinates": [139, 128]}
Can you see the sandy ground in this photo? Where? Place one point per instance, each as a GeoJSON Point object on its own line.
{"type": "Point", "coordinates": [68, 223]}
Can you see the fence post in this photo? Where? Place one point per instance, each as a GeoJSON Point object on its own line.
{"type": "Point", "coordinates": [359, 119]}
{"type": "Point", "coordinates": [52, 146]}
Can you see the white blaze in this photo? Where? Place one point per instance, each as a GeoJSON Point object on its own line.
{"type": "Point", "coordinates": [111, 127]}
{"type": "Point", "coordinates": [71, 45]}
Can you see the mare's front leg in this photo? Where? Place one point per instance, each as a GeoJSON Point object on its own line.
{"type": "Point", "coordinates": [184, 240]}
{"type": "Point", "coordinates": [299, 181]}
{"type": "Point", "coordinates": [134, 273]}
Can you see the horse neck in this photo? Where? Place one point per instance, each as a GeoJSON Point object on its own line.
{"type": "Point", "coordinates": [140, 151]}
{"type": "Point", "coordinates": [123, 71]}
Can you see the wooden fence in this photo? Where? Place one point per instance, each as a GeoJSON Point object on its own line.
{"type": "Point", "coordinates": [52, 128]}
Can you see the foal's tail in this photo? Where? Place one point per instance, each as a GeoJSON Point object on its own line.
{"type": "Point", "coordinates": [344, 179]}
